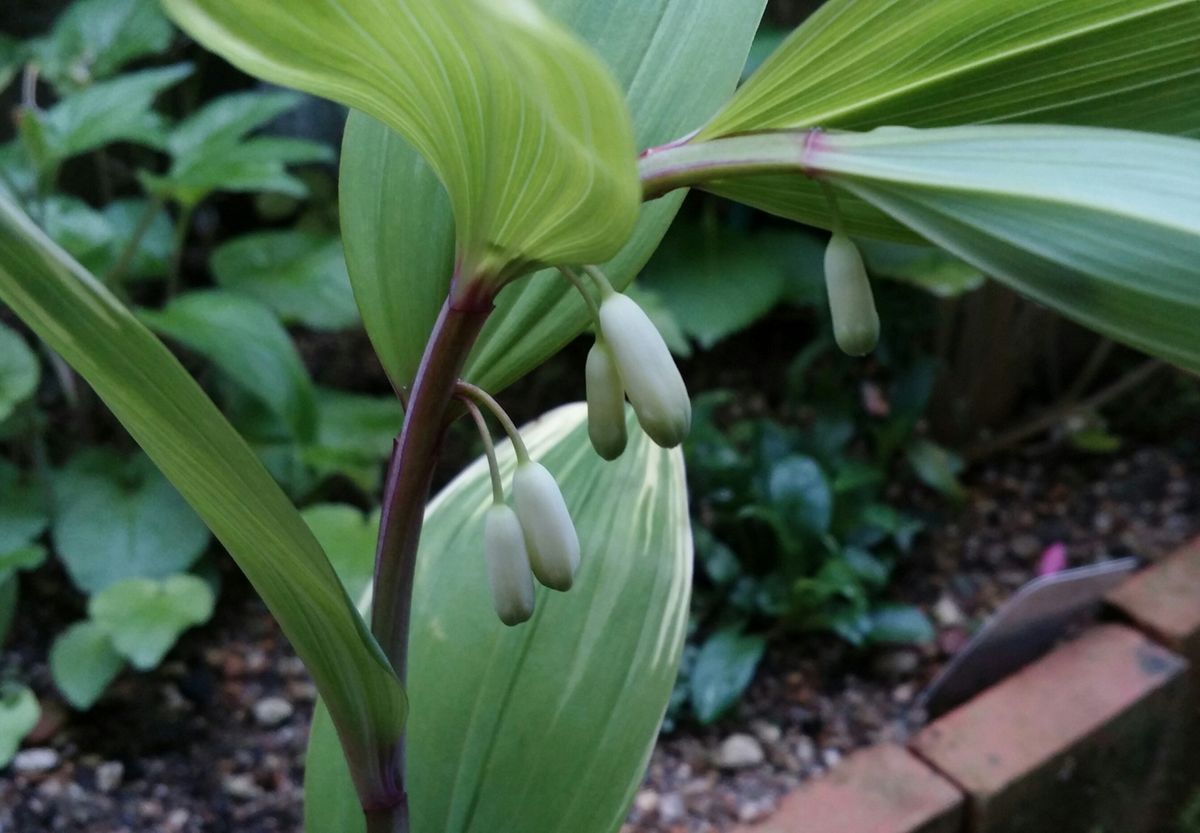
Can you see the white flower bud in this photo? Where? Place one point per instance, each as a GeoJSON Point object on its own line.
{"type": "Point", "coordinates": [647, 369]}
{"type": "Point", "coordinates": [508, 565]}
{"type": "Point", "coordinates": [605, 402]}
{"type": "Point", "coordinates": [855, 321]}
{"type": "Point", "coordinates": [550, 534]}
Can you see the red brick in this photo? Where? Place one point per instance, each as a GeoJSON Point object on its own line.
{"type": "Point", "coordinates": [883, 789]}
{"type": "Point", "coordinates": [1084, 739]}
{"type": "Point", "coordinates": [1164, 600]}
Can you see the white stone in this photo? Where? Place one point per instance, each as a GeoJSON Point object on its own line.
{"type": "Point", "coordinates": [739, 751]}
{"type": "Point", "coordinates": [33, 761]}
{"type": "Point", "coordinates": [272, 711]}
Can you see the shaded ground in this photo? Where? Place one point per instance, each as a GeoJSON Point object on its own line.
{"type": "Point", "coordinates": [214, 740]}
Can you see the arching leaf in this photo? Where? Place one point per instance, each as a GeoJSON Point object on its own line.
{"type": "Point", "coordinates": [522, 124]}
{"type": "Point", "coordinates": [479, 689]}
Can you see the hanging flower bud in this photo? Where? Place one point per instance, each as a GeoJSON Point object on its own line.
{"type": "Point", "coordinates": [855, 321]}
{"type": "Point", "coordinates": [550, 534]}
{"type": "Point", "coordinates": [605, 402]}
{"type": "Point", "coordinates": [508, 565]}
{"type": "Point", "coordinates": [651, 379]}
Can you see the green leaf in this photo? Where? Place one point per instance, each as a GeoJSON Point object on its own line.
{"type": "Point", "coordinates": [19, 372]}
{"type": "Point", "coordinates": [19, 713]}
{"type": "Point", "coordinates": [246, 341]}
{"type": "Point", "coordinates": [185, 435]}
{"type": "Point", "coordinates": [348, 537]}
{"type": "Point", "coordinates": [144, 618]}
{"type": "Point", "coordinates": [152, 257]}
{"type": "Point", "coordinates": [541, 171]}
{"type": "Point", "coordinates": [92, 39]}
{"type": "Point", "coordinates": [677, 61]}
{"type": "Point", "coordinates": [24, 513]}
{"type": "Point", "coordinates": [1100, 225]}
{"type": "Point", "coordinates": [107, 112]}
{"type": "Point", "coordinates": [300, 276]}
{"type": "Point", "coordinates": [116, 519]}
{"type": "Point", "coordinates": [10, 592]}
{"type": "Point", "coordinates": [28, 557]}
{"type": "Point", "coordinates": [859, 65]}
{"type": "Point", "coordinates": [354, 437]}
{"type": "Point", "coordinates": [938, 273]}
{"type": "Point", "coordinates": [210, 152]}
{"type": "Point", "coordinates": [12, 56]}
{"type": "Point", "coordinates": [719, 281]}
{"type": "Point", "coordinates": [664, 320]}
{"type": "Point", "coordinates": [724, 668]}
{"type": "Point", "coordinates": [899, 625]}
{"type": "Point", "coordinates": [799, 490]}
{"type": "Point", "coordinates": [83, 662]}
{"type": "Point", "coordinates": [856, 65]}
{"type": "Point", "coordinates": [936, 467]}
{"type": "Point", "coordinates": [481, 688]}
{"type": "Point", "coordinates": [83, 231]}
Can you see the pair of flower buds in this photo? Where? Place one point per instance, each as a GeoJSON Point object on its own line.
{"type": "Point", "coordinates": [535, 537]}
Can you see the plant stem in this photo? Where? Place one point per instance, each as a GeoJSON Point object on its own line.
{"type": "Point", "coordinates": [669, 167]}
{"type": "Point", "coordinates": [488, 401]}
{"type": "Point", "coordinates": [175, 276]}
{"type": "Point", "coordinates": [489, 449]}
{"type": "Point", "coordinates": [114, 275]}
{"type": "Point", "coordinates": [410, 474]}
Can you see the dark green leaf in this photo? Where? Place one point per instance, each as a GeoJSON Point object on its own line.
{"type": "Point", "coordinates": [798, 489]}
{"type": "Point", "coordinates": [246, 341]}
{"type": "Point", "coordinates": [348, 538]}
{"type": "Point", "coordinates": [24, 510]}
{"type": "Point", "coordinates": [724, 668]}
{"type": "Point", "coordinates": [92, 39]}
{"type": "Point", "coordinates": [936, 467]}
{"type": "Point", "coordinates": [116, 519]}
{"type": "Point", "coordinates": [300, 276]}
{"type": "Point", "coordinates": [938, 273]}
{"type": "Point", "coordinates": [19, 371]}
{"type": "Point", "coordinates": [900, 625]}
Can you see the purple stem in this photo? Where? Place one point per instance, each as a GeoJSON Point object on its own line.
{"type": "Point", "coordinates": [410, 475]}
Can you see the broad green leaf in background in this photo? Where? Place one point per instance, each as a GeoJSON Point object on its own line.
{"type": "Point", "coordinates": [931, 269]}
{"type": "Point", "coordinates": [28, 557]}
{"type": "Point", "coordinates": [109, 111]}
{"type": "Point", "coordinates": [9, 597]}
{"type": "Point", "coordinates": [354, 436]}
{"type": "Point", "coordinates": [800, 492]}
{"type": "Point", "coordinates": [718, 281]}
{"type": "Point", "coordinates": [116, 519]}
{"type": "Point", "coordinates": [348, 537]}
{"type": "Point", "coordinates": [144, 618]}
{"type": "Point", "coordinates": [1100, 225]}
{"type": "Point", "coordinates": [19, 371]}
{"type": "Point", "coordinates": [83, 662]}
{"type": "Point", "coordinates": [930, 63]}
{"type": "Point", "coordinates": [152, 256]}
{"type": "Point", "coordinates": [301, 276]}
{"type": "Point", "coordinates": [246, 341]}
{"type": "Point", "coordinates": [210, 150]}
{"type": "Point", "coordinates": [92, 39]}
{"type": "Point", "coordinates": [24, 509]}
{"type": "Point", "coordinates": [586, 681]}
{"type": "Point", "coordinates": [185, 435]}
{"type": "Point", "coordinates": [724, 667]}
{"type": "Point", "coordinates": [19, 713]}
{"type": "Point", "coordinates": [83, 231]}
{"type": "Point", "coordinates": [937, 467]}
{"type": "Point", "coordinates": [12, 55]}
{"type": "Point", "coordinates": [677, 61]}
{"type": "Point", "coordinates": [541, 171]}
{"type": "Point", "coordinates": [899, 625]}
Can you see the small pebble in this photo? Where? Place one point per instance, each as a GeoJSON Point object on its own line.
{"type": "Point", "coordinates": [739, 751]}
{"type": "Point", "coordinates": [273, 711]}
{"type": "Point", "coordinates": [34, 761]}
{"type": "Point", "coordinates": [109, 776]}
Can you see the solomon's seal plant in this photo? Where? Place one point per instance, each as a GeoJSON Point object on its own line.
{"type": "Point", "coordinates": [493, 143]}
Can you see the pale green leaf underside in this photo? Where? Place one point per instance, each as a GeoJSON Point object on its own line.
{"type": "Point", "coordinates": [1101, 225]}
{"type": "Point", "coordinates": [931, 63]}
{"type": "Point", "coordinates": [677, 60]}
{"type": "Point", "coordinates": [185, 435]}
{"type": "Point", "coordinates": [584, 683]}
{"type": "Point", "coordinates": [523, 126]}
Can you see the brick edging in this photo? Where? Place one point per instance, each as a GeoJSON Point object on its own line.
{"type": "Point", "coordinates": [1098, 735]}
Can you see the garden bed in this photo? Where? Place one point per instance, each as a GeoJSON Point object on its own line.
{"type": "Point", "coordinates": [214, 739]}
